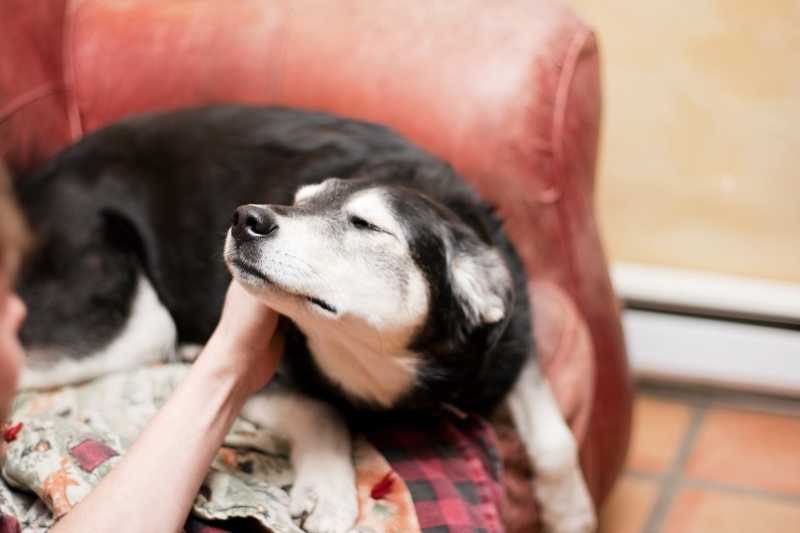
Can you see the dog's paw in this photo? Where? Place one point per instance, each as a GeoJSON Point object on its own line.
{"type": "Point", "coordinates": [567, 505]}
{"type": "Point", "coordinates": [582, 519]}
{"type": "Point", "coordinates": [324, 503]}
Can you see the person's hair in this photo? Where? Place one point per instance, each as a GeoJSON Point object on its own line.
{"type": "Point", "coordinates": [14, 234]}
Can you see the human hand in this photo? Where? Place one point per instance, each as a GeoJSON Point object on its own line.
{"type": "Point", "coordinates": [247, 339]}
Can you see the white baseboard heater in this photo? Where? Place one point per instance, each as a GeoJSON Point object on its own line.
{"type": "Point", "coordinates": [711, 329]}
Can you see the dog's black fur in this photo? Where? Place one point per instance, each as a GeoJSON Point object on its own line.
{"type": "Point", "coordinates": [155, 194]}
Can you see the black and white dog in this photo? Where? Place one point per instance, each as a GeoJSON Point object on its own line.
{"type": "Point", "coordinates": [403, 291]}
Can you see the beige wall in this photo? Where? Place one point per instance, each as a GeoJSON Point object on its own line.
{"type": "Point", "coordinates": [700, 149]}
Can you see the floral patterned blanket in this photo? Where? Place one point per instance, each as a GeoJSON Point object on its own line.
{"type": "Point", "coordinates": [72, 436]}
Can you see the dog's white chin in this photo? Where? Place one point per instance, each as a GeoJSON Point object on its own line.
{"type": "Point", "coordinates": [287, 302]}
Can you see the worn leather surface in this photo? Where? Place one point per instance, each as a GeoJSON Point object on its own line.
{"type": "Point", "coordinates": [567, 356]}
{"type": "Point", "coordinates": [507, 91]}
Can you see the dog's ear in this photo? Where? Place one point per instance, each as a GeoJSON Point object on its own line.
{"type": "Point", "coordinates": [481, 281]}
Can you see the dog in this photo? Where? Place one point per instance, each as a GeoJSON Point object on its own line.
{"type": "Point", "coordinates": [403, 292]}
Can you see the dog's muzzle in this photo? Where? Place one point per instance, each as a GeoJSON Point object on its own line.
{"type": "Point", "coordinates": [250, 222]}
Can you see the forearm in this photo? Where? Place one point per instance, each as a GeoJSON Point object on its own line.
{"type": "Point", "coordinates": [153, 486]}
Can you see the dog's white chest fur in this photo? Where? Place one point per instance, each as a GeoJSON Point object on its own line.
{"type": "Point", "coordinates": [363, 362]}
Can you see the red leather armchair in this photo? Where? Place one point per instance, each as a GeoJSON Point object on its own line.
{"type": "Point", "coordinates": [507, 91]}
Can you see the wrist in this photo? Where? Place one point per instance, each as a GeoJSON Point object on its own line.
{"type": "Point", "coordinates": [220, 369]}
{"type": "Point", "coordinates": [241, 367]}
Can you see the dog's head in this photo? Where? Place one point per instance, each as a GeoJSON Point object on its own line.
{"type": "Point", "coordinates": [373, 257]}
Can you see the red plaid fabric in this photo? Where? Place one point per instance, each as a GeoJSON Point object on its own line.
{"type": "Point", "coordinates": [452, 469]}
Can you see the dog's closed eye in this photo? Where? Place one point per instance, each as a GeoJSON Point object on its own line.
{"type": "Point", "coordinates": [360, 223]}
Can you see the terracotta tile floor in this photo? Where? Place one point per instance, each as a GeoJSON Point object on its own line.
{"type": "Point", "coordinates": [704, 461]}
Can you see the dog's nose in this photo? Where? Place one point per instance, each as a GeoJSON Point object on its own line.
{"type": "Point", "coordinates": [252, 222]}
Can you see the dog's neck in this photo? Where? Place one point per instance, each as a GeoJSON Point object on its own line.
{"type": "Point", "coordinates": [368, 364]}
